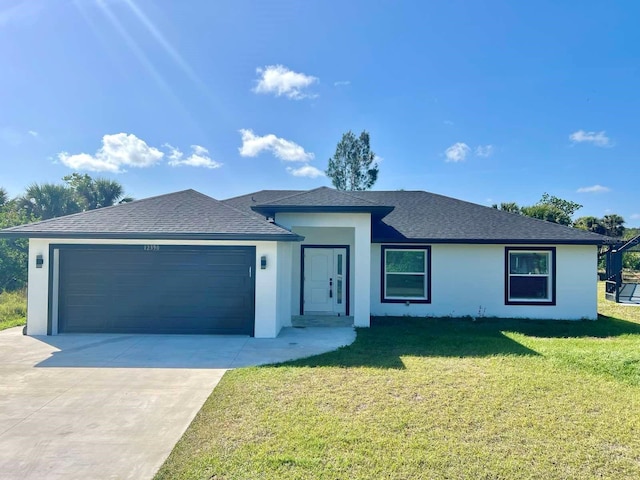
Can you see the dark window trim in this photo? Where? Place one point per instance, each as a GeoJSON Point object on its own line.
{"type": "Point", "coordinates": [347, 276]}
{"type": "Point", "coordinates": [427, 275]}
{"type": "Point", "coordinates": [552, 250]}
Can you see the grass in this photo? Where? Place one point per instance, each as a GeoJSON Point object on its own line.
{"type": "Point", "coordinates": [429, 398]}
{"type": "Point", "coordinates": [13, 309]}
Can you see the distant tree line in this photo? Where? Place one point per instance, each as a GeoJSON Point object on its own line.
{"type": "Point", "coordinates": [557, 210]}
{"type": "Point", "coordinates": [43, 201]}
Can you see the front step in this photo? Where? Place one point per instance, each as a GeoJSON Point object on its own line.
{"type": "Point", "coordinates": [321, 321]}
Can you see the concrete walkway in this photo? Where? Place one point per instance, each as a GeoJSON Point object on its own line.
{"type": "Point", "coordinates": [113, 406]}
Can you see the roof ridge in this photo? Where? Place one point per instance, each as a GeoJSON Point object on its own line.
{"type": "Point", "coordinates": [307, 192]}
{"type": "Point", "coordinates": [245, 214]}
{"type": "Point", "coordinates": [77, 214]}
{"type": "Point", "coordinates": [252, 194]}
{"type": "Point", "coordinates": [302, 192]}
{"type": "Point", "coordinates": [221, 203]}
{"type": "Point", "coordinates": [351, 194]}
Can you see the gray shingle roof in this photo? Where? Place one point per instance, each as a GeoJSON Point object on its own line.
{"type": "Point", "coordinates": [245, 202]}
{"type": "Point", "coordinates": [185, 214]}
{"type": "Point", "coordinates": [428, 217]}
{"type": "Point", "coordinates": [416, 216]}
{"type": "Point", "coordinates": [322, 196]}
{"type": "Point", "coordinates": [322, 199]}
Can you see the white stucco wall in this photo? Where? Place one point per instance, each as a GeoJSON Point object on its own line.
{"type": "Point", "coordinates": [285, 284]}
{"type": "Point", "coordinates": [353, 229]}
{"type": "Point", "coordinates": [469, 280]}
{"type": "Point", "coordinates": [268, 314]}
{"type": "Point", "coordinates": [38, 288]}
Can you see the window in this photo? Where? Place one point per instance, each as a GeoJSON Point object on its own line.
{"type": "Point", "coordinates": [406, 274]}
{"type": "Point", "coordinates": [530, 276]}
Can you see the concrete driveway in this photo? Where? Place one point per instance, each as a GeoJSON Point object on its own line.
{"type": "Point", "coordinates": [113, 406]}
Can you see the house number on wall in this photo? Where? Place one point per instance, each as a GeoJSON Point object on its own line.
{"type": "Point", "coordinates": [152, 248]}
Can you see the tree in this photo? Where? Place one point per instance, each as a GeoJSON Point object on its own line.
{"type": "Point", "coordinates": [614, 225]}
{"type": "Point", "coordinates": [631, 260]}
{"type": "Point", "coordinates": [546, 212]}
{"type": "Point", "coordinates": [353, 166]}
{"type": "Point", "coordinates": [48, 201]}
{"type": "Point", "coordinates": [565, 206]}
{"type": "Point", "coordinates": [13, 252]}
{"type": "Point", "coordinates": [590, 224]}
{"type": "Point", "coordinates": [631, 232]}
{"type": "Point", "coordinates": [552, 209]}
{"type": "Point", "coordinates": [95, 193]}
{"type": "Point", "coordinates": [41, 202]}
{"type": "Point", "coordinates": [549, 208]}
{"type": "Point", "coordinates": [511, 207]}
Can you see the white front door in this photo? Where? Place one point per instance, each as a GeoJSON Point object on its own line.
{"type": "Point", "coordinates": [325, 281]}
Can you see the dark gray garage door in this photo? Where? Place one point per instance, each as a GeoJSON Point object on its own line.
{"type": "Point", "coordinates": [156, 289]}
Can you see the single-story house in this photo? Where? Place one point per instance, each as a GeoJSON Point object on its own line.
{"type": "Point", "coordinates": [187, 263]}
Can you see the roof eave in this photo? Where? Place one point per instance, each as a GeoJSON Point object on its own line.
{"type": "Point", "coordinates": [271, 237]}
{"type": "Point", "coordinates": [485, 241]}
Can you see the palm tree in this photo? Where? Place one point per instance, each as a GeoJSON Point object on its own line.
{"type": "Point", "coordinates": [613, 224]}
{"type": "Point", "coordinates": [511, 207]}
{"type": "Point", "coordinates": [94, 193]}
{"type": "Point", "coordinates": [107, 192]}
{"type": "Point", "coordinates": [590, 224]}
{"type": "Point", "coordinates": [48, 201]}
{"type": "Point", "coordinates": [4, 196]}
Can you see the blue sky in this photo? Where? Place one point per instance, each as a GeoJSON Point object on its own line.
{"type": "Point", "coordinates": [485, 101]}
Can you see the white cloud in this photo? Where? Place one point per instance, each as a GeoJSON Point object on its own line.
{"type": "Point", "coordinates": [448, 122]}
{"type": "Point", "coordinates": [253, 145]}
{"type": "Point", "coordinates": [33, 133]}
{"type": "Point", "coordinates": [457, 152]}
{"type": "Point", "coordinates": [635, 216]}
{"type": "Point", "coordinates": [484, 150]}
{"type": "Point", "coordinates": [118, 151]}
{"type": "Point", "coordinates": [593, 189]}
{"type": "Point", "coordinates": [175, 155]}
{"type": "Point", "coordinates": [279, 80]}
{"type": "Point", "coordinates": [342, 83]}
{"type": "Point", "coordinates": [599, 139]}
{"type": "Point", "coordinates": [198, 158]}
{"type": "Point", "coordinates": [306, 171]}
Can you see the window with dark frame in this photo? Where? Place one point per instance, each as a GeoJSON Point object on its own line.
{"type": "Point", "coordinates": [530, 276]}
{"type": "Point", "coordinates": [406, 274]}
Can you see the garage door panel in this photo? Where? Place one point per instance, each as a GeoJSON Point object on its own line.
{"type": "Point", "coordinates": [173, 290]}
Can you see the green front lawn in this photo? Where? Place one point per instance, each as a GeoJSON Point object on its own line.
{"type": "Point", "coordinates": [427, 398]}
{"type": "Point", "coordinates": [13, 309]}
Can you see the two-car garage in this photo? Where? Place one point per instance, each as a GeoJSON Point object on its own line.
{"type": "Point", "coordinates": [177, 263]}
{"type": "Point", "coordinates": [154, 289]}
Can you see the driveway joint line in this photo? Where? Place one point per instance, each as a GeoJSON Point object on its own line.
{"type": "Point", "coordinates": [137, 340]}
{"type": "Point", "coordinates": [232, 363]}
